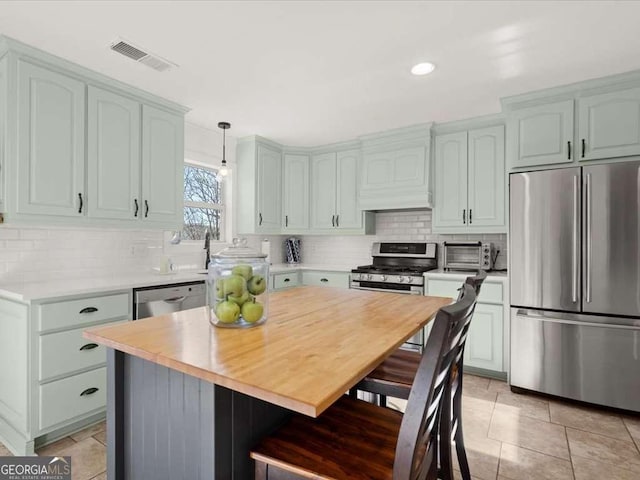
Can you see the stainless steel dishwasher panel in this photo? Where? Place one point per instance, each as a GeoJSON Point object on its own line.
{"type": "Point", "coordinates": [584, 357]}
{"type": "Point", "coordinates": [150, 302]}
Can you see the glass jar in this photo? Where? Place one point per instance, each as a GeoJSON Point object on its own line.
{"type": "Point", "coordinates": [238, 284]}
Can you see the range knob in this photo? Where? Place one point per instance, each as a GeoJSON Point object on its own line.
{"type": "Point", "coordinates": [383, 277]}
{"type": "Point", "coordinates": [400, 279]}
{"type": "Point", "coordinates": [366, 276]}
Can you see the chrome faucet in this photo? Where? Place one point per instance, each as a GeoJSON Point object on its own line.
{"type": "Point", "coordinates": [207, 247]}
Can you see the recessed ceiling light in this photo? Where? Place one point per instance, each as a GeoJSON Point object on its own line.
{"type": "Point", "coordinates": [423, 68]}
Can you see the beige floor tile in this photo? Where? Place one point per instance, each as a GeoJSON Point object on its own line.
{"type": "Point", "coordinates": [588, 419]}
{"type": "Point", "coordinates": [521, 404]}
{"type": "Point", "coordinates": [518, 463]}
{"type": "Point", "coordinates": [88, 459]}
{"type": "Point", "coordinates": [471, 398]}
{"type": "Point", "coordinates": [588, 469]}
{"type": "Point", "coordinates": [608, 450]}
{"type": "Point", "coordinates": [458, 476]}
{"type": "Point", "coordinates": [56, 447]}
{"type": "Point", "coordinates": [89, 431]}
{"type": "Point", "coordinates": [4, 451]}
{"type": "Point", "coordinates": [483, 456]}
{"type": "Point", "coordinates": [633, 425]}
{"type": "Point", "coordinates": [475, 423]}
{"type": "Point", "coordinates": [531, 433]}
{"type": "Point", "coordinates": [498, 386]}
{"type": "Point", "coordinates": [102, 476]}
{"type": "Point", "coordinates": [475, 381]}
{"type": "Point", "coordinates": [479, 393]}
{"type": "Point", "coordinates": [101, 437]}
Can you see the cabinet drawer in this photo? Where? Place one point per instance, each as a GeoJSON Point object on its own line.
{"type": "Point", "coordinates": [66, 352]}
{"type": "Point", "coordinates": [326, 279]}
{"type": "Point", "coordinates": [72, 397]}
{"type": "Point", "coordinates": [286, 280]}
{"type": "Point", "coordinates": [73, 313]}
{"type": "Point", "coordinates": [491, 292]}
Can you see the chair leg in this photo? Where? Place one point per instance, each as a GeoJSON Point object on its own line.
{"type": "Point", "coordinates": [353, 392]}
{"type": "Point", "coordinates": [261, 471]}
{"type": "Point", "coordinates": [382, 400]}
{"type": "Point", "coordinates": [444, 444]}
{"type": "Point", "coordinates": [463, 463]}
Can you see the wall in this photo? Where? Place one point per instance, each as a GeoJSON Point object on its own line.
{"type": "Point", "coordinates": [414, 225]}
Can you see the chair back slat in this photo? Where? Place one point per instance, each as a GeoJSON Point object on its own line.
{"type": "Point", "coordinates": [416, 451]}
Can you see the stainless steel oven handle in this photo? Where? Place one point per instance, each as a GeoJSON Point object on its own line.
{"type": "Point", "coordinates": [588, 238]}
{"type": "Point", "coordinates": [574, 265]}
{"type": "Point", "coordinates": [523, 313]}
{"type": "Point", "coordinates": [389, 290]}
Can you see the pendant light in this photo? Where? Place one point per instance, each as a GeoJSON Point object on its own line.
{"type": "Point", "coordinates": [223, 169]}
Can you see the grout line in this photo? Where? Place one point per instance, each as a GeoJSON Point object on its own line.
{"type": "Point", "coordinates": [566, 436]}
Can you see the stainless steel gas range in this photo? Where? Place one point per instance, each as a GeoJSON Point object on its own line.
{"type": "Point", "coordinates": [396, 267]}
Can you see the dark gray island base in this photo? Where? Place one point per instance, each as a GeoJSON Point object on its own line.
{"type": "Point", "coordinates": [164, 424]}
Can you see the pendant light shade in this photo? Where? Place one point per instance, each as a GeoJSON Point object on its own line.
{"type": "Point", "coordinates": [223, 168]}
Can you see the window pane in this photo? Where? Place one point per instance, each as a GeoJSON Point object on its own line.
{"type": "Point", "coordinates": [201, 185]}
{"type": "Point", "coordinates": [198, 220]}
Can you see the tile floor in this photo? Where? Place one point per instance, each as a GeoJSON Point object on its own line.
{"type": "Point", "coordinates": [507, 437]}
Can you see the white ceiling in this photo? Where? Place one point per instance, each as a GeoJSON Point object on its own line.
{"type": "Point", "coordinates": [308, 73]}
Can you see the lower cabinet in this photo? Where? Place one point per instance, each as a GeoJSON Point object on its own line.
{"type": "Point", "coordinates": [281, 281]}
{"type": "Point", "coordinates": [484, 348]}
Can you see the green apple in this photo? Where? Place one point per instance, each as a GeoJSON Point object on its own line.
{"type": "Point", "coordinates": [252, 311]}
{"type": "Point", "coordinates": [228, 312]}
{"type": "Point", "coordinates": [243, 270]}
{"type": "Point", "coordinates": [235, 285]}
{"type": "Point", "coordinates": [257, 284]}
{"type": "Point", "coordinates": [241, 299]}
{"type": "Point", "coordinates": [220, 288]}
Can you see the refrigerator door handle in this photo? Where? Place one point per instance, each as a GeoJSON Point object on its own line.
{"type": "Point", "coordinates": [543, 318]}
{"type": "Point", "coordinates": [574, 279]}
{"type": "Point", "coordinates": [588, 238]}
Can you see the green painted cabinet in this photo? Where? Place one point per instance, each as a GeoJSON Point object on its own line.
{"type": "Point", "coordinates": [348, 215]}
{"type": "Point", "coordinates": [323, 191]}
{"type": "Point", "coordinates": [259, 186]}
{"type": "Point", "coordinates": [162, 176]}
{"type": "Point", "coordinates": [50, 141]}
{"type": "Point", "coordinates": [113, 156]}
{"type": "Point", "coordinates": [295, 192]}
{"type": "Point", "coordinates": [470, 181]}
{"type": "Point", "coordinates": [609, 125]}
{"type": "Point", "coordinates": [542, 135]}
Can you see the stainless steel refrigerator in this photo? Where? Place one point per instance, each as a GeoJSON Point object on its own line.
{"type": "Point", "coordinates": [575, 283]}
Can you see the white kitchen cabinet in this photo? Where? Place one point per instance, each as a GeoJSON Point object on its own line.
{"type": "Point", "coordinates": [295, 194]}
{"type": "Point", "coordinates": [50, 138]}
{"type": "Point", "coordinates": [113, 156]}
{"type": "Point", "coordinates": [325, 279]}
{"type": "Point", "coordinates": [469, 182]}
{"type": "Point", "coordinates": [334, 208]}
{"type": "Point", "coordinates": [281, 281]}
{"type": "Point", "coordinates": [259, 182]}
{"type": "Point", "coordinates": [162, 176]}
{"type": "Point", "coordinates": [609, 125]}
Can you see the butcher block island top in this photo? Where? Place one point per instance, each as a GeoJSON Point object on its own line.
{"type": "Point", "coordinates": [316, 344]}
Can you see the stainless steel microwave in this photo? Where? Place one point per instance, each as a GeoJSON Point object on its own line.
{"type": "Point", "coordinates": [468, 256]}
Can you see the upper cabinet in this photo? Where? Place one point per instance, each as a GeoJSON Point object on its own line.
{"type": "Point", "coordinates": [50, 141]}
{"type": "Point", "coordinates": [609, 125]}
{"type": "Point", "coordinates": [79, 148]}
{"type": "Point", "coordinates": [469, 182]}
{"type": "Point", "coordinates": [295, 192]}
{"type": "Point", "coordinates": [323, 191]}
{"type": "Point", "coordinates": [395, 169]}
{"type": "Point", "coordinates": [542, 135]}
{"type": "Point", "coordinates": [259, 177]}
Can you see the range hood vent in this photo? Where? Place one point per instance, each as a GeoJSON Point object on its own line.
{"type": "Point", "coordinates": [138, 54]}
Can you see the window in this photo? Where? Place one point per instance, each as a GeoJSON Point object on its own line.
{"type": "Point", "coordinates": [203, 203]}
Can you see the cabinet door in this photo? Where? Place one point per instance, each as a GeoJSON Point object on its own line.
{"type": "Point", "coordinates": [609, 125]}
{"type": "Point", "coordinates": [113, 157]}
{"type": "Point", "coordinates": [269, 189]}
{"type": "Point", "coordinates": [296, 192]}
{"type": "Point", "coordinates": [323, 191]}
{"type": "Point", "coordinates": [51, 116]}
{"type": "Point", "coordinates": [348, 216]}
{"type": "Point", "coordinates": [542, 135]}
{"type": "Point", "coordinates": [162, 166]}
{"type": "Point", "coordinates": [450, 208]}
{"type": "Point", "coordinates": [486, 177]}
{"type": "Point", "coordinates": [484, 341]}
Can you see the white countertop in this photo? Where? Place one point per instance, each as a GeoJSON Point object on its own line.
{"type": "Point", "coordinates": [66, 287]}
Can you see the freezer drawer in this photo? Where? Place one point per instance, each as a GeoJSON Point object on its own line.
{"type": "Point", "coordinates": [583, 357]}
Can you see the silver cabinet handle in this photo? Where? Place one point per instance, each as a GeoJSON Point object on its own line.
{"type": "Point", "coordinates": [588, 239]}
{"type": "Point", "coordinates": [175, 300]}
{"type": "Point", "coordinates": [575, 233]}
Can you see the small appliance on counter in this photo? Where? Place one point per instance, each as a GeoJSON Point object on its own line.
{"type": "Point", "coordinates": [292, 250]}
{"type": "Point", "coordinates": [468, 256]}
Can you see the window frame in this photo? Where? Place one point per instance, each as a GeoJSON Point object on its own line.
{"type": "Point", "coordinates": [221, 207]}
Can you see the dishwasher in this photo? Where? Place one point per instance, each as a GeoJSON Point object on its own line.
{"type": "Point", "coordinates": [153, 301]}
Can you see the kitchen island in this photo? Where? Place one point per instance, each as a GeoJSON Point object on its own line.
{"type": "Point", "coordinates": [188, 400]}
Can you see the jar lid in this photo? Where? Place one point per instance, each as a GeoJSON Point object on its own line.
{"type": "Point", "coordinates": [239, 249]}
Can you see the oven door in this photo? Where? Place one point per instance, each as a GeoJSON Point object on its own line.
{"type": "Point", "coordinates": [405, 289]}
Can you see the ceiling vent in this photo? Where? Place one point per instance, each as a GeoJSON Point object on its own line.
{"type": "Point", "coordinates": [138, 54]}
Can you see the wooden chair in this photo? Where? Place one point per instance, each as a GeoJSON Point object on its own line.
{"type": "Point", "coordinates": [356, 440]}
{"type": "Point", "coordinates": [395, 376]}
